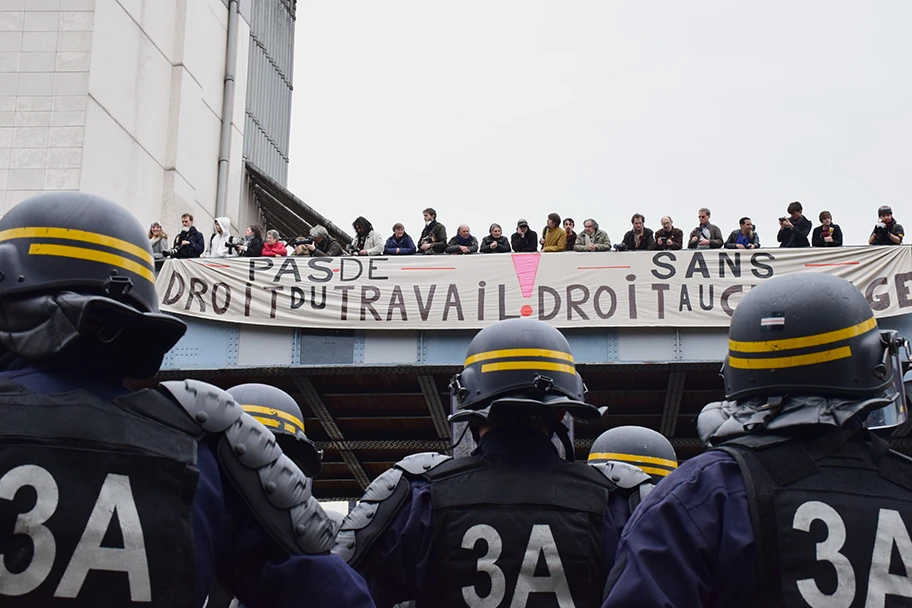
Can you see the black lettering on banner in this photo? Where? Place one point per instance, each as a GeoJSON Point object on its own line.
{"type": "Point", "coordinates": [343, 308]}
{"type": "Point", "coordinates": [267, 264]}
{"type": "Point", "coordinates": [575, 305]}
{"type": "Point", "coordinates": [220, 310]}
{"type": "Point", "coordinates": [836, 551]}
{"type": "Point", "coordinates": [452, 300]}
{"type": "Point", "coordinates": [660, 289]}
{"type": "Point", "coordinates": [313, 297]}
{"type": "Point", "coordinates": [761, 270]}
{"type": "Point", "coordinates": [902, 289]}
{"type": "Point", "coordinates": [198, 288]}
{"type": "Point", "coordinates": [321, 265]}
{"type": "Point", "coordinates": [659, 260]}
{"type": "Point", "coordinates": [541, 550]}
{"type": "Point", "coordinates": [877, 301]}
{"type": "Point", "coordinates": [597, 302]}
{"type": "Point", "coordinates": [733, 265]}
{"type": "Point", "coordinates": [297, 298]}
{"type": "Point", "coordinates": [248, 296]}
{"type": "Point", "coordinates": [702, 304]}
{"type": "Point", "coordinates": [502, 303]}
{"type": "Point", "coordinates": [685, 300]}
{"type": "Point", "coordinates": [632, 297]}
{"type": "Point", "coordinates": [367, 302]}
{"type": "Point", "coordinates": [289, 266]}
{"type": "Point", "coordinates": [424, 307]}
{"type": "Point", "coordinates": [697, 264]}
{"type": "Point", "coordinates": [555, 300]}
{"type": "Point", "coordinates": [728, 293]}
{"type": "Point", "coordinates": [343, 262]}
{"type": "Point", "coordinates": [396, 302]}
{"type": "Point", "coordinates": [371, 268]}
{"type": "Point", "coordinates": [275, 289]}
{"type": "Point", "coordinates": [481, 300]}
{"type": "Point", "coordinates": [170, 298]}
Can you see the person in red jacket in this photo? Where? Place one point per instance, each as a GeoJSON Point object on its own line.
{"type": "Point", "coordinates": [273, 247]}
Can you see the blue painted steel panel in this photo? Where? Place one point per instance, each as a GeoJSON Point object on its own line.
{"type": "Point", "coordinates": [327, 347]}
{"type": "Point", "coordinates": [593, 345]}
{"type": "Point", "coordinates": [445, 347]}
{"type": "Point", "coordinates": [206, 345]}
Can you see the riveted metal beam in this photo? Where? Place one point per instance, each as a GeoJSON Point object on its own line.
{"type": "Point", "coordinates": [434, 405]}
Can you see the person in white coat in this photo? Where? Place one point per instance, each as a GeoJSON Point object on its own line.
{"type": "Point", "coordinates": [367, 241]}
{"type": "Point", "coordinates": [216, 246]}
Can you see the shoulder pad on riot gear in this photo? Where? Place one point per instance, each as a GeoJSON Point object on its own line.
{"type": "Point", "coordinates": [378, 507]}
{"type": "Point", "coordinates": [640, 495]}
{"type": "Point", "coordinates": [419, 464]}
{"type": "Point", "coordinates": [623, 474]}
{"type": "Point", "coordinates": [277, 492]}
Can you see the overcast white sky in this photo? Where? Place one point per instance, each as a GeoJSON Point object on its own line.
{"type": "Point", "coordinates": [490, 111]}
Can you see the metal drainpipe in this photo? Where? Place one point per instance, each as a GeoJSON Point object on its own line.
{"type": "Point", "coordinates": [221, 192]}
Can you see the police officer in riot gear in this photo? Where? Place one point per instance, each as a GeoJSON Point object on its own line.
{"type": "Point", "coordinates": [635, 459]}
{"type": "Point", "coordinates": [798, 504]}
{"type": "Point", "coordinates": [513, 524]}
{"type": "Point", "coordinates": [110, 497]}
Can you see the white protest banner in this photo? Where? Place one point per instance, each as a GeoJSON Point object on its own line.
{"type": "Point", "coordinates": [610, 289]}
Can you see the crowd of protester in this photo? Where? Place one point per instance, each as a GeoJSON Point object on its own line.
{"type": "Point", "coordinates": [795, 230]}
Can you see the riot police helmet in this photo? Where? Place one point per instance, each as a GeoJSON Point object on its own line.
{"type": "Point", "coordinates": [644, 448]}
{"type": "Point", "coordinates": [807, 334]}
{"type": "Point", "coordinates": [521, 364]}
{"type": "Point", "coordinates": [279, 412]}
{"type": "Point", "coordinates": [94, 257]}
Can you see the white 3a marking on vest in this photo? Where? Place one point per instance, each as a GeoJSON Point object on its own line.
{"type": "Point", "coordinates": [116, 495]}
{"type": "Point", "coordinates": [890, 532]}
{"type": "Point", "coordinates": [541, 542]}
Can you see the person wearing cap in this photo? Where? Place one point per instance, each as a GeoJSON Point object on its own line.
{"type": "Point", "coordinates": [113, 497]}
{"type": "Point", "coordinates": [514, 524]}
{"type": "Point", "coordinates": [799, 503]}
{"type": "Point", "coordinates": [524, 239]}
{"type": "Point", "coordinates": [887, 231]}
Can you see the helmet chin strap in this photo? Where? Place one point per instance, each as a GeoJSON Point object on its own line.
{"type": "Point", "coordinates": [563, 433]}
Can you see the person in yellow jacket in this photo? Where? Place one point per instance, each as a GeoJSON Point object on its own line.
{"type": "Point", "coordinates": [553, 236]}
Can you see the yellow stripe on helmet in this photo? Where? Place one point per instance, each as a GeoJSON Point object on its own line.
{"type": "Point", "coordinates": [92, 255]}
{"type": "Point", "coordinates": [262, 409]}
{"type": "Point", "coordinates": [77, 235]}
{"type": "Point", "coordinates": [633, 458]}
{"type": "Point", "coordinates": [537, 365]}
{"type": "Point", "coordinates": [769, 346]}
{"type": "Point", "coordinates": [510, 353]}
{"type": "Point", "coordinates": [843, 352]}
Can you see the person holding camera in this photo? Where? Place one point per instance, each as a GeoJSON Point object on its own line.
{"type": "Point", "coordinates": [319, 245]}
{"type": "Point", "coordinates": [189, 242]}
{"type": "Point", "coordinates": [252, 246]}
{"type": "Point", "coordinates": [669, 237]}
{"type": "Point", "coordinates": [367, 241]}
{"type": "Point", "coordinates": [887, 231]}
{"type": "Point", "coordinates": [794, 228]}
{"type": "Point", "coordinates": [706, 235]}
{"type": "Point", "coordinates": [220, 240]}
{"type": "Point", "coordinates": [433, 237]}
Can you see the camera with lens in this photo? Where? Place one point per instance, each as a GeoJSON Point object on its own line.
{"type": "Point", "coordinates": [301, 240]}
{"type": "Point", "coordinates": [620, 246]}
{"type": "Point", "coordinates": [879, 227]}
{"type": "Point", "coordinates": [174, 252]}
{"type": "Point", "coordinates": [783, 218]}
{"type": "Point", "coordinates": [233, 242]}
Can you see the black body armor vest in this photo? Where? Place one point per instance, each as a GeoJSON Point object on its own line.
{"type": "Point", "coordinates": [95, 500]}
{"type": "Point", "coordinates": [831, 516]}
{"type": "Point", "coordinates": [529, 538]}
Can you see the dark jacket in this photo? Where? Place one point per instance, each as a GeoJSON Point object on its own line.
{"type": "Point", "coordinates": [647, 243]}
{"type": "Point", "coordinates": [434, 233]}
{"type": "Point", "coordinates": [817, 237]}
{"type": "Point", "coordinates": [675, 238]}
{"type": "Point", "coordinates": [522, 243]}
{"type": "Point", "coordinates": [456, 242]}
{"type": "Point", "coordinates": [894, 228]}
{"type": "Point", "coordinates": [715, 237]}
{"type": "Point", "coordinates": [327, 248]}
{"type": "Point", "coordinates": [732, 242]}
{"type": "Point", "coordinates": [403, 246]}
{"type": "Point", "coordinates": [254, 248]}
{"type": "Point", "coordinates": [571, 241]}
{"type": "Point", "coordinates": [503, 245]}
{"type": "Point", "coordinates": [797, 235]}
{"type": "Point", "coordinates": [195, 248]}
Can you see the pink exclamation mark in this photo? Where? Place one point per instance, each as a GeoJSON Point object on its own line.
{"type": "Point", "coordinates": [526, 267]}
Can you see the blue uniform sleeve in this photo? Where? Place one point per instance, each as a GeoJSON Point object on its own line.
{"type": "Point", "coordinates": [690, 543]}
{"type": "Point", "coordinates": [399, 560]}
{"type": "Point", "coordinates": [232, 545]}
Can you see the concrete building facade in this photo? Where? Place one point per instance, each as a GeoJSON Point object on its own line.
{"type": "Point", "coordinates": [126, 99]}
